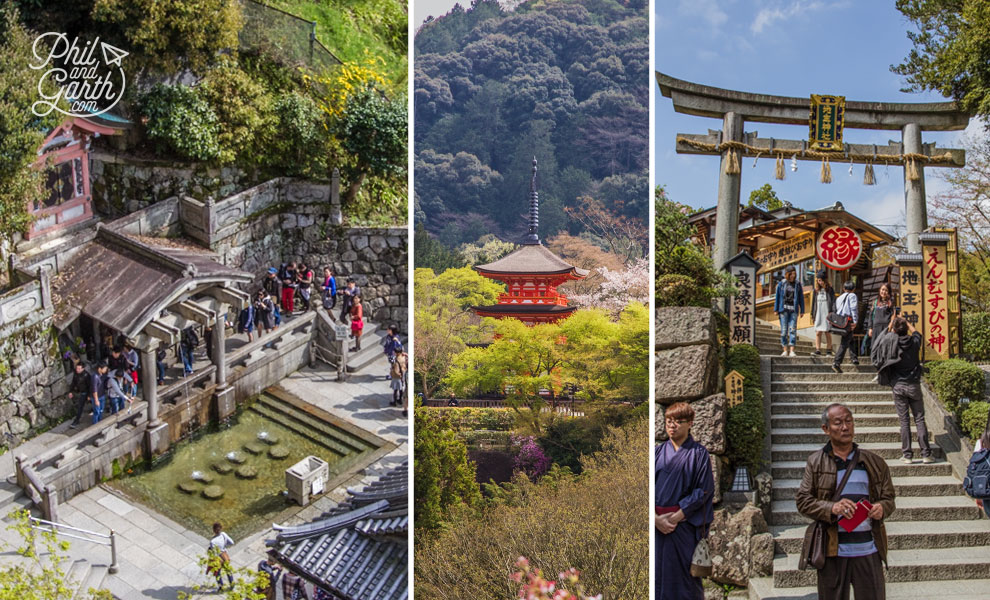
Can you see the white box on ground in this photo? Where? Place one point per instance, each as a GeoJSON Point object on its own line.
{"type": "Point", "coordinates": [307, 478]}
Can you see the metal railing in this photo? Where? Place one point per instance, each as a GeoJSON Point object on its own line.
{"type": "Point", "coordinates": [94, 538]}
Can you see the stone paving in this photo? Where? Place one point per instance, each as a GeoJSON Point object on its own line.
{"type": "Point", "coordinates": [158, 557]}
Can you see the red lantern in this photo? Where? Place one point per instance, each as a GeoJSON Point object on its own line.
{"type": "Point", "coordinates": [839, 247]}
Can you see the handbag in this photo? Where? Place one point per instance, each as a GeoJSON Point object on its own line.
{"type": "Point", "coordinates": [701, 561]}
{"type": "Point", "coordinates": [813, 550]}
{"type": "Point", "coordinates": [837, 323]}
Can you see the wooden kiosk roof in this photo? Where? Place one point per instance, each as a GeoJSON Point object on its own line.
{"type": "Point", "coordinates": [814, 221]}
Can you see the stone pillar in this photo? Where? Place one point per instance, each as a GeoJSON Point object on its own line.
{"type": "Point", "coordinates": [219, 353]}
{"type": "Point", "coordinates": [149, 384]}
{"type": "Point", "coordinates": [914, 191]}
{"type": "Point", "coordinates": [727, 213]}
{"type": "Point", "coordinates": [336, 216]}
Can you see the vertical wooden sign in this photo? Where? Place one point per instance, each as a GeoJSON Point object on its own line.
{"type": "Point", "coordinates": [742, 306]}
{"type": "Point", "coordinates": [935, 281]}
{"type": "Point", "coordinates": [910, 288]}
{"type": "Point", "coordinates": [954, 296]}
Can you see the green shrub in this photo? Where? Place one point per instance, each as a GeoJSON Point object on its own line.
{"type": "Point", "coordinates": [745, 358]}
{"type": "Point", "coordinates": [244, 114]}
{"type": "Point", "coordinates": [681, 290]}
{"type": "Point", "coordinates": [954, 379]}
{"type": "Point", "coordinates": [974, 419]}
{"type": "Point", "coordinates": [472, 419]}
{"type": "Point", "coordinates": [301, 141]}
{"type": "Point", "coordinates": [976, 335]}
{"type": "Point", "coordinates": [745, 430]}
{"type": "Point", "coordinates": [181, 123]}
{"type": "Point", "coordinates": [497, 438]}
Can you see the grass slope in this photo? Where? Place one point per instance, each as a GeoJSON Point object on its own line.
{"type": "Point", "coordinates": [355, 28]}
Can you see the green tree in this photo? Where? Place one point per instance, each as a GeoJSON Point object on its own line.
{"type": "Point", "coordinates": [21, 132]}
{"type": "Point", "coordinates": [444, 477]}
{"type": "Point", "coordinates": [488, 248]}
{"type": "Point", "coordinates": [244, 113]}
{"type": "Point", "coordinates": [39, 576]}
{"type": "Point", "coordinates": [764, 197]}
{"type": "Point", "coordinates": [374, 131]}
{"type": "Point", "coordinates": [181, 123]}
{"type": "Point", "coordinates": [168, 36]}
{"type": "Point", "coordinates": [432, 254]}
{"type": "Point", "coordinates": [444, 322]}
{"type": "Point", "coordinates": [951, 50]}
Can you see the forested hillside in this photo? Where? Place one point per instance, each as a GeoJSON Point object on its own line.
{"type": "Point", "coordinates": [564, 81]}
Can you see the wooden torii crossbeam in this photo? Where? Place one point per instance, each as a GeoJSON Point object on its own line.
{"type": "Point", "coordinates": [736, 108]}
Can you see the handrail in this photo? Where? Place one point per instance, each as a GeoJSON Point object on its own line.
{"type": "Point", "coordinates": [299, 322]}
{"type": "Point", "coordinates": [55, 528]}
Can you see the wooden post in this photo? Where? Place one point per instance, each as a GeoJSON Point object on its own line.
{"type": "Point", "coordinates": [915, 209]}
{"type": "Point", "coordinates": [727, 212]}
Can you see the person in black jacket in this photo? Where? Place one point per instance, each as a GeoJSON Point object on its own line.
{"type": "Point", "coordinates": [822, 303]}
{"type": "Point", "coordinates": [906, 381]}
{"type": "Point", "coordinates": [79, 391]}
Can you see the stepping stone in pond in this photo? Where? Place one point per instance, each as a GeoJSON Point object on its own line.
{"type": "Point", "coordinates": [254, 448]}
{"type": "Point", "coordinates": [188, 487]}
{"type": "Point", "coordinates": [213, 492]}
{"type": "Point", "coordinates": [204, 477]}
{"type": "Point", "coordinates": [278, 453]}
{"type": "Point", "coordinates": [269, 439]}
{"type": "Point", "coordinates": [235, 458]}
{"type": "Point", "coordinates": [222, 468]}
{"type": "Point", "coordinates": [246, 472]}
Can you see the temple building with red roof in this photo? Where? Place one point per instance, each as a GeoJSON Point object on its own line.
{"type": "Point", "coordinates": [531, 274]}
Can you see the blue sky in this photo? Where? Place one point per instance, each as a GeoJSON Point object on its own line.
{"type": "Point", "coordinates": [791, 48]}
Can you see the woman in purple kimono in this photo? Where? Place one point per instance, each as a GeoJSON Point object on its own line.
{"type": "Point", "coordinates": [684, 491]}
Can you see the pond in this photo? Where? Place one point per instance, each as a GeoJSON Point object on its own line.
{"type": "Point", "coordinates": [236, 475]}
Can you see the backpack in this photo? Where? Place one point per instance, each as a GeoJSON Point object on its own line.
{"type": "Point", "coordinates": [977, 481]}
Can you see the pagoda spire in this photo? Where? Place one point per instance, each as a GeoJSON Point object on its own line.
{"type": "Point", "coordinates": [533, 237]}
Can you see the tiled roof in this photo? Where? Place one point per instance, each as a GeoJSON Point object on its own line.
{"type": "Point", "coordinates": [358, 550]}
{"type": "Point", "coordinates": [533, 258]}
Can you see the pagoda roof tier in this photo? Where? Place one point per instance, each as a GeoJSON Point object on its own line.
{"type": "Point", "coordinates": [521, 309]}
{"type": "Point", "coordinates": [532, 259]}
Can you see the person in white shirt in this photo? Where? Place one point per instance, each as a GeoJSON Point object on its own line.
{"type": "Point", "coordinates": [847, 305]}
{"type": "Point", "coordinates": [218, 547]}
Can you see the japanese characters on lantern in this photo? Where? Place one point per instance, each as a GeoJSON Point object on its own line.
{"type": "Point", "coordinates": [935, 307]}
{"type": "Point", "coordinates": [839, 247]}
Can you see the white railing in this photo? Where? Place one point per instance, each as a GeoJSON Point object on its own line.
{"type": "Point", "coordinates": [86, 536]}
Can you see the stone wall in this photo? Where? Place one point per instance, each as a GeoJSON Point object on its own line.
{"type": "Point", "coordinates": [32, 386]}
{"type": "Point", "coordinates": [687, 370]}
{"type": "Point", "coordinates": [124, 184]}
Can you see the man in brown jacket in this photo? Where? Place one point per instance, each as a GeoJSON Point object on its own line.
{"type": "Point", "coordinates": [855, 557]}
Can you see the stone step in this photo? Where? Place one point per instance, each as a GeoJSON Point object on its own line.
{"type": "Point", "coordinates": [94, 581]}
{"type": "Point", "coordinates": [371, 348]}
{"type": "Point", "coordinates": [824, 377]}
{"type": "Point", "coordinates": [794, 421]}
{"type": "Point", "coordinates": [324, 433]}
{"type": "Point", "coordinates": [762, 588]}
{"type": "Point", "coordinates": [829, 397]}
{"type": "Point", "coordinates": [76, 575]}
{"type": "Point", "coordinates": [824, 366]}
{"type": "Point", "coordinates": [794, 469]}
{"type": "Point", "coordinates": [828, 386]}
{"type": "Point", "coordinates": [815, 436]}
{"type": "Point", "coordinates": [904, 486]}
{"type": "Point", "coordinates": [9, 495]}
{"type": "Point", "coordinates": [903, 535]}
{"type": "Point", "coordinates": [781, 361]}
{"type": "Point", "coordinates": [909, 508]}
{"type": "Point", "coordinates": [801, 450]}
{"type": "Point", "coordinates": [933, 564]}
{"type": "Point", "coordinates": [816, 408]}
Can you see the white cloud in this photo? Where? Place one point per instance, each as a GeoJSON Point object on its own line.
{"type": "Point", "coordinates": [708, 10]}
{"type": "Point", "coordinates": [782, 12]}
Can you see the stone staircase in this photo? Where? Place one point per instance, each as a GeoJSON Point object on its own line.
{"type": "Point", "coordinates": [768, 340]}
{"type": "Point", "coordinates": [939, 540]}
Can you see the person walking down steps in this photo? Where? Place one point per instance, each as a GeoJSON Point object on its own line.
{"type": "Point", "coordinates": [788, 305]}
{"type": "Point", "coordinates": [847, 306]}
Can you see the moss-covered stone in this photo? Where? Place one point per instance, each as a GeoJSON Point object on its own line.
{"type": "Point", "coordinates": [213, 492]}
{"type": "Point", "coordinates": [246, 472]}
{"type": "Point", "coordinates": [278, 452]}
{"type": "Point", "coordinates": [188, 487]}
{"type": "Point", "coordinates": [255, 448]}
{"type": "Point", "coordinates": [222, 468]}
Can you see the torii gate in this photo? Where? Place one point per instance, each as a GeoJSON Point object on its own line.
{"type": "Point", "coordinates": [731, 143]}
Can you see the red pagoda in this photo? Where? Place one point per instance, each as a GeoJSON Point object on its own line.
{"type": "Point", "coordinates": [531, 274]}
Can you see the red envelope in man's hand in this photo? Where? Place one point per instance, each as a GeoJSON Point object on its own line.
{"type": "Point", "coordinates": [862, 511]}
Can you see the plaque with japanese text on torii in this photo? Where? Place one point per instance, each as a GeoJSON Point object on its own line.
{"type": "Point", "coordinates": [742, 305]}
{"type": "Point", "coordinates": [826, 121]}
